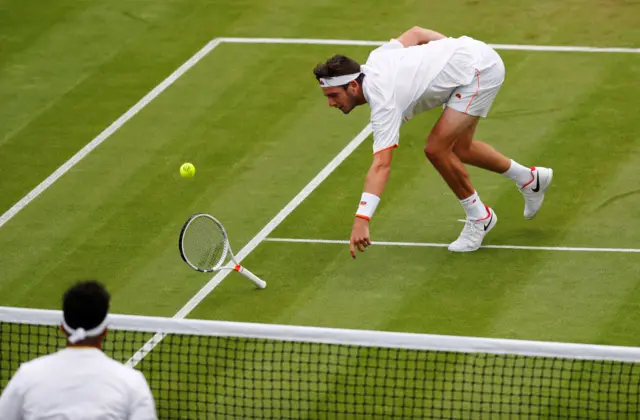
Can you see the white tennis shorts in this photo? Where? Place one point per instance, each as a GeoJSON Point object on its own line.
{"type": "Point", "coordinates": [475, 98]}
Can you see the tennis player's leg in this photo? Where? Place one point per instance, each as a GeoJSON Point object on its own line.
{"type": "Point", "coordinates": [480, 219]}
{"type": "Point", "coordinates": [532, 182]}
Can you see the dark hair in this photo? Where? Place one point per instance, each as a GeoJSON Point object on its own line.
{"type": "Point", "coordinates": [85, 304]}
{"type": "Point", "coordinates": [338, 65]}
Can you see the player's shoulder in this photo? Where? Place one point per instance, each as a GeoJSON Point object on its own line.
{"type": "Point", "coordinates": [37, 367]}
{"type": "Point", "coordinates": [41, 362]}
{"type": "Point", "coordinates": [387, 47]}
{"type": "Point", "coordinates": [392, 44]}
{"type": "Point", "coordinates": [378, 68]}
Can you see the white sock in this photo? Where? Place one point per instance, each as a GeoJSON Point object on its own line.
{"type": "Point", "coordinates": [474, 207]}
{"type": "Point", "coordinates": [520, 174]}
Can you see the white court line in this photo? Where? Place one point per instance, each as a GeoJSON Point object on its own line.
{"type": "Point", "coordinates": [557, 48]}
{"type": "Point", "coordinates": [435, 245]}
{"type": "Point", "coordinates": [100, 138]}
{"type": "Point", "coordinates": [253, 243]}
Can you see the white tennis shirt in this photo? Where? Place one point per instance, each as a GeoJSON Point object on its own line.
{"type": "Point", "coordinates": [77, 383]}
{"type": "Point", "coordinates": [398, 81]}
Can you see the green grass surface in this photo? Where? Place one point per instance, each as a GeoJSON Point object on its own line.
{"type": "Point", "coordinates": [116, 214]}
{"type": "Point", "coordinates": [251, 118]}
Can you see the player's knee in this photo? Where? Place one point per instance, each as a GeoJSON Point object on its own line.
{"type": "Point", "coordinates": [434, 154]}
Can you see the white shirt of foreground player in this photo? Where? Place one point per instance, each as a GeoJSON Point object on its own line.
{"type": "Point", "coordinates": [401, 82]}
{"type": "Point", "coordinates": [77, 383]}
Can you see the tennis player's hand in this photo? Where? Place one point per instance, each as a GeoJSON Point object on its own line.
{"type": "Point", "coordinates": [359, 236]}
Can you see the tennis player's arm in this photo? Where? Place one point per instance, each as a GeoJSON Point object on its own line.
{"type": "Point", "coordinates": [378, 174]}
{"type": "Point", "coordinates": [11, 400]}
{"type": "Point", "coordinates": [419, 36]}
{"type": "Point", "coordinates": [385, 122]}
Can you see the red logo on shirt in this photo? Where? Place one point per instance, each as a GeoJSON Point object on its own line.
{"type": "Point", "coordinates": [458, 96]}
{"type": "Point", "coordinates": [363, 203]}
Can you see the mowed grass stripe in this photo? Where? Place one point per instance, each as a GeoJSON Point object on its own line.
{"type": "Point", "coordinates": [71, 82]}
{"type": "Point", "coordinates": [160, 21]}
{"type": "Point", "coordinates": [126, 168]}
{"type": "Point", "coordinates": [135, 202]}
{"type": "Point", "coordinates": [34, 80]}
{"type": "Point", "coordinates": [20, 32]}
{"type": "Point", "coordinates": [136, 47]}
{"type": "Point", "coordinates": [592, 177]}
{"type": "Point", "coordinates": [118, 51]}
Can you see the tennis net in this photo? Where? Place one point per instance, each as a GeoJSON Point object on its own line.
{"type": "Point", "coordinates": [211, 369]}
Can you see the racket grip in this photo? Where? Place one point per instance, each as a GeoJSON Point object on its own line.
{"type": "Point", "coordinates": [248, 274]}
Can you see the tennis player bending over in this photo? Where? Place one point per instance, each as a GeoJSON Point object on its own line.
{"type": "Point", "coordinates": [421, 70]}
{"type": "Point", "coordinates": [79, 382]}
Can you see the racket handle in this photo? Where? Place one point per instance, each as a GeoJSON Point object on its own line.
{"type": "Point", "coordinates": [248, 274]}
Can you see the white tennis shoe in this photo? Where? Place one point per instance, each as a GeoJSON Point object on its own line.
{"type": "Point", "coordinates": [474, 232]}
{"type": "Point", "coordinates": [534, 190]}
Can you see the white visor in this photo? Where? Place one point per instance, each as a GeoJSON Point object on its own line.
{"type": "Point", "coordinates": [79, 334]}
{"type": "Point", "coordinates": [338, 80]}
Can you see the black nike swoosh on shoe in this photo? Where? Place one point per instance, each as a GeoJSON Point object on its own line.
{"type": "Point", "coordinates": [537, 188]}
{"type": "Point", "coordinates": [488, 224]}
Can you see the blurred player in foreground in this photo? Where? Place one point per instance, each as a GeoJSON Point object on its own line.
{"type": "Point", "coordinates": [421, 70]}
{"type": "Point", "coordinates": [80, 381]}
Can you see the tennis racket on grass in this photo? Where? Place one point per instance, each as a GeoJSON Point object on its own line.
{"type": "Point", "coordinates": [204, 246]}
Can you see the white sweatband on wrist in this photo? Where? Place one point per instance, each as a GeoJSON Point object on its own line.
{"type": "Point", "coordinates": [368, 204]}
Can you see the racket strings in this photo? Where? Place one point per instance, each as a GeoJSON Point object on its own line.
{"type": "Point", "coordinates": [204, 243]}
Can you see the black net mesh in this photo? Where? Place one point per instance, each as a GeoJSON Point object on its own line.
{"type": "Point", "coordinates": [205, 377]}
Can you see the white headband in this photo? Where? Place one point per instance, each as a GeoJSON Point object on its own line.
{"type": "Point", "coordinates": [338, 80]}
{"type": "Point", "coordinates": [80, 334]}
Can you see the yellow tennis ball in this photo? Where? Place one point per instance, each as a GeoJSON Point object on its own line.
{"type": "Point", "coordinates": [187, 170]}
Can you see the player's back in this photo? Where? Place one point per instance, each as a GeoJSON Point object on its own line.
{"type": "Point", "coordinates": [404, 75]}
{"type": "Point", "coordinates": [79, 383]}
